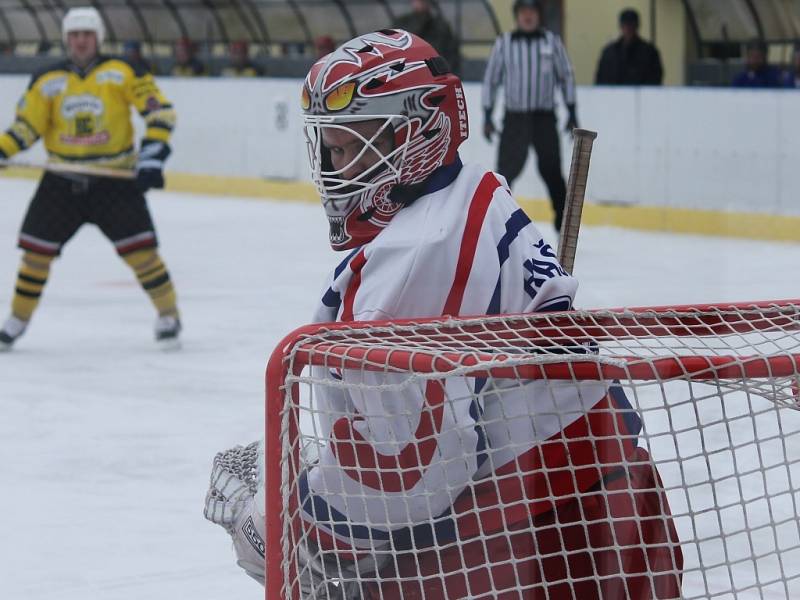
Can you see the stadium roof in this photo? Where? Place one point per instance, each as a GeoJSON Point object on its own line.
{"type": "Point", "coordinates": [732, 21]}
{"type": "Point", "coordinates": [260, 21]}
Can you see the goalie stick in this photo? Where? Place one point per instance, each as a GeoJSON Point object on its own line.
{"type": "Point", "coordinates": [74, 169]}
{"type": "Point", "coordinates": [576, 188]}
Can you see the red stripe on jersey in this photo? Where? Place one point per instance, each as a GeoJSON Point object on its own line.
{"type": "Point", "coordinates": [34, 247]}
{"type": "Point", "coordinates": [149, 242]}
{"type": "Point", "coordinates": [469, 241]}
{"type": "Point", "coordinates": [356, 265]}
{"type": "Point", "coordinates": [391, 473]}
{"type": "Point", "coordinates": [550, 473]}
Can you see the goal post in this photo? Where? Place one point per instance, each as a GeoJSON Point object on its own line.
{"type": "Point", "coordinates": [707, 394]}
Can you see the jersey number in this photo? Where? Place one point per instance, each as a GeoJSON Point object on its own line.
{"type": "Point", "coordinates": [84, 125]}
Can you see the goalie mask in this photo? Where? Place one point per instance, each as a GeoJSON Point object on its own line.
{"type": "Point", "coordinates": [381, 112]}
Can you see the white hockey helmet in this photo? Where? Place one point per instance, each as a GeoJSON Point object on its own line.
{"type": "Point", "coordinates": [83, 18]}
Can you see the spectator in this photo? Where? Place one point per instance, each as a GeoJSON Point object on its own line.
{"type": "Point", "coordinates": [791, 78]}
{"type": "Point", "coordinates": [240, 64]}
{"type": "Point", "coordinates": [293, 49]}
{"type": "Point", "coordinates": [44, 48]}
{"type": "Point", "coordinates": [629, 60]}
{"type": "Point", "coordinates": [434, 29]}
{"type": "Point", "coordinates": [323, 45]}
{"type": "Point", "coordinates": [132, 52]}
{"type": "Point", "coordinates": [757, 73]}
{"type": "Point", "coordinates": [531, 63]}
{"type": "Point", "coordinates": [186, 63]}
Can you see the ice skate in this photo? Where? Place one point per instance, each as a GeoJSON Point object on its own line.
{"type": "Point", "coordinates": [168, 328]}
{"type": "Point", "coordinates": [12, 329]}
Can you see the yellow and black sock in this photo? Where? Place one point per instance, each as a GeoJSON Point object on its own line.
{"type": "Point", "coordinates": [154, 278]}
{"type": "Point", "coordinates": [31, 278]}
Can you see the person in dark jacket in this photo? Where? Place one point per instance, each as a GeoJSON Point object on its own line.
{"type": "Point", "coordinates": [791, 78]}
{"type": "Point", "coordinates": [186, 62]}
{"type": "Point", "coordinates": [629, 60]}
{"type": "Point", "coordinates": [434, 29]}
{"type": "Point", "coordinates": [758, 73]}
{"type": "Point", "coordinates": [323, 45]}
{"type": "Point", "coordinates": [239, 64]}
{"type": "Point", "coordinates": [132, 52]}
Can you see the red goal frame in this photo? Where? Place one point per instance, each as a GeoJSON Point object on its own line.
{"type": "Point", "coordinates": [693, 320]}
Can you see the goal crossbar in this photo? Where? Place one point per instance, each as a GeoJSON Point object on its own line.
{"type": "Point", "coordinates": [564, 368]}
{"type": "Point", "coordinates": [549, 345]}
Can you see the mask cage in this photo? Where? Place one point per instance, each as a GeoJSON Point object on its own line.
{"type": "Point", "coordinates": [337, 192]}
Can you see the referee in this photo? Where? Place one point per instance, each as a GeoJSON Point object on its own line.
{"type": "Point", "coordinates": [530, 63]}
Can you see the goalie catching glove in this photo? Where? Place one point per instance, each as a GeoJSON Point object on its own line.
{"type": "Point", "coordinates": [150, 166]}
{"type": "Point", "coordinates": [235, 501]}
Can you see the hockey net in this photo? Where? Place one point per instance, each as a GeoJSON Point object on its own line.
{"type": "Point", "coordinates": [715, 392]}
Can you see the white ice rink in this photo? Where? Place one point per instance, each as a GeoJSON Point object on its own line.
{"type": "Point", "coordinates": [106, 443]}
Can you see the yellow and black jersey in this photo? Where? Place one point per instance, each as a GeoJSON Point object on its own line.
{"type": "Point", "coordinates": [84, 115]}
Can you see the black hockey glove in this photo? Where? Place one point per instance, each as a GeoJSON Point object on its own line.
{"type": "Point", "coordinates": [150, 167]}
{"type": "Point", "coordinates": [572, 121]}
{"type": "Point", "coordinates": [3, 157]}
{"type": "Point", "coordinates": [488, 126]}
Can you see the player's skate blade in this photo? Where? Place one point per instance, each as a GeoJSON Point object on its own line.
{"type": "Point", "coordinates": [12, 329]}
{"type": "Point", "coordinates": [168, 328]}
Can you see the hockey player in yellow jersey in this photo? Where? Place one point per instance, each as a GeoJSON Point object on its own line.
{"type": "Point", "coordinates": [81, 110]}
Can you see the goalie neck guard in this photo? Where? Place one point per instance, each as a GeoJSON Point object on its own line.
{"type": "Point", "coordinates": [403, 110]}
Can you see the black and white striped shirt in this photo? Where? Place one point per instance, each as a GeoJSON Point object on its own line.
{"type": "Point", "coordinates": [529, 66]}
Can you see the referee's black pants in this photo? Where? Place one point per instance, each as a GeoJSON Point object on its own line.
{"type": "Point", "coordinates": [540, 129]}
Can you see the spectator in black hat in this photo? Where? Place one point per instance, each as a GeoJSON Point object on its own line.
{"type": "Point", "coordinates": [757, 73]}
{"type": "Point", "coordinates": [629, 60]}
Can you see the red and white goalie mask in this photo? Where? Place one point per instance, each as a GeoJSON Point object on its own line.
{"type": "Point", "coordinates": [382, 112]}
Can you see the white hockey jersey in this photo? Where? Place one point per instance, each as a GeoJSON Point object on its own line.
{"type": "Point", "coordinates": [409, 465]}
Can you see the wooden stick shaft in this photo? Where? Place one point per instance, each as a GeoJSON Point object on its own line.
{"type": "Point", "coordinates": [576, 190]}
{"type": "Point", "coordinates": [74, 169]}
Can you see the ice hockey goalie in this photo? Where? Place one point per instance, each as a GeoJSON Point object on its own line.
{"type": "Point", "coordinates": [463, 487]}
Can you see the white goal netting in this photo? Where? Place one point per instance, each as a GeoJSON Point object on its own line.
{"type": "Point", "coordinates": [588, 454]}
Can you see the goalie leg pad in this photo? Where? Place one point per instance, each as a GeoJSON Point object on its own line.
{"type": "Point", "coordinates": [618, 541]}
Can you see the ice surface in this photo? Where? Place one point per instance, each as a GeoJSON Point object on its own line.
{"type": "Point", "coordinates": [106, 443]}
